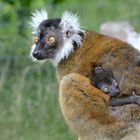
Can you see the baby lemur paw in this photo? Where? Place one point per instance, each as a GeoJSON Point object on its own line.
{"type": "Point", "coordinates": [98, 69]}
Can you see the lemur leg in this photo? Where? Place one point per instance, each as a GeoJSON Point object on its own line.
{"type": "Point", "coordinates": [86, 108]}
{"type": "Point", "coordinates": [132, 99]}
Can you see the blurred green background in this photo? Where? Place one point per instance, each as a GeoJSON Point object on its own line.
{"type": "Point", "coordinates": [29, 104]}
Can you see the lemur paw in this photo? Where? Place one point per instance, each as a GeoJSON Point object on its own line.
{"type": "Point", "coordinates": [98, 69]}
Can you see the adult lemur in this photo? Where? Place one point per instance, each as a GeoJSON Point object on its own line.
{"type": "Point", "coordinates": [76, 53]}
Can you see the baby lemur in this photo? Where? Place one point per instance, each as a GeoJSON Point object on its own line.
{"type": "Point", "coordinates": [104, 80]}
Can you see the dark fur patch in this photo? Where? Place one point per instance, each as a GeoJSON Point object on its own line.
{"type": "Point", "coordinates": [50, 22]}
{"type": "Point", "coordinates": [138, 63]}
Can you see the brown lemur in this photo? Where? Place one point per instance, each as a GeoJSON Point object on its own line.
{"type": "Point", "coordinates": [76, 53]}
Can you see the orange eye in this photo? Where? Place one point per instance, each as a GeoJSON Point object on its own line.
{"type": "Point", "coordinates": [52, 40]}
{"type": "Point", "coordinates": [36, 39]}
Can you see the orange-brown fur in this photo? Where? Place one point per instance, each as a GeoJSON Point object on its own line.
{"type": "Point", "coordinates": [86, 108]}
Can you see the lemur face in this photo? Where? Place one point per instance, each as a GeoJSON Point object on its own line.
{"type": "Point", "coordinates": [55, 38]}
{"type": "Point", "coordinates": [48, 39]}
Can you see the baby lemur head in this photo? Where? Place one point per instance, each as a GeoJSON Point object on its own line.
{"type": "Point", "coordinates": [55, 38]}
{"type": "Point", "coordinates": [104, 80]}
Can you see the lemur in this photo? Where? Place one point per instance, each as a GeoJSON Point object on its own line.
{"type": "Point", "coordinates": [104, 80]}
{"type": "Point", "coordinates": [76, 53]}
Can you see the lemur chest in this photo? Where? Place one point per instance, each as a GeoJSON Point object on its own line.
{"type": "Point", "coordinates": [80, 67]}
{"type": "Point", "coordinates": [83, 61]}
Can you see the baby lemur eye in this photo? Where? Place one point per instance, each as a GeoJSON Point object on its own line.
{"type": "Point", "coordinates": [105, 89]}
{"type": "Point", "coordinates": [52, 40]}
{"type": "Point", "coordinates": [36, 39]}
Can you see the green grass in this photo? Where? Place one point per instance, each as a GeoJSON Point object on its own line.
{"type": "Point", "coordinates": [29, 100]}
{"type": "Point", "coordinates": [29, 103]}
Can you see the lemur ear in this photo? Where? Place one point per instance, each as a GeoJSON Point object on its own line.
{"type": "Point", "coordinates": [37, 17]}
{"type": "Point", "coordinates": [69, 24]}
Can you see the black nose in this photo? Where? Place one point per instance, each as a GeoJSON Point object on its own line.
{"type": "Point", "coordinates": [36, 54]}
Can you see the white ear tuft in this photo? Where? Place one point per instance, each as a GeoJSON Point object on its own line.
{"type": "Point", "coordinates": [71, 30]}
{"type": "Point", "coordinates": [69, 21]}
{"type": "Point", "coordinates": [37, 18]}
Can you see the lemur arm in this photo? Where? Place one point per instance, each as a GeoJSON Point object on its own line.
{"type": "Point", "coordinates": [82, 105]}
{"type": "Point", "coordinates": [132, 99]}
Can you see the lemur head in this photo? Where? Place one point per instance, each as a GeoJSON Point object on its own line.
{"type": "Point", "coordinates": [55, 38]}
